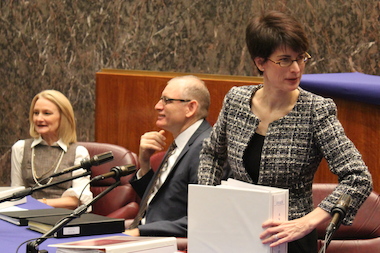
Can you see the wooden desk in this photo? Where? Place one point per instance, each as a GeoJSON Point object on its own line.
{"type": "Point", "coordinates": [357, 97]}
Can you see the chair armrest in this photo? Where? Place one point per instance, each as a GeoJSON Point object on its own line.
{"type": "Point", "coordinates": [128, 211]}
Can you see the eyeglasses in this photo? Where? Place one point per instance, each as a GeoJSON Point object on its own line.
{"type": "Point", "coordinates": [286, 62]}
{"type": "Point", "coordinates": [166, 100]}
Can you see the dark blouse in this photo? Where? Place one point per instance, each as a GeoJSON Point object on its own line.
{"type": "Point", "coordinates": [252, 156]}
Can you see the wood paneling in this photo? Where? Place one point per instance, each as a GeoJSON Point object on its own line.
{"type": "Point", "coordinates": [361, 123]}
{"type": "Point", "coordinates": [125, 103]}
{"type": "Point", "coordinates": [125, 100]}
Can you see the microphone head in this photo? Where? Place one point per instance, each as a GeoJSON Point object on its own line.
{"type": "Point", "coordinates": [342, 205]}
{"type": "Point", "coordinates": [124, 170]}
{"type": "Point", "coordinates": [116, 172]}
{"type": "Point", "coordinates": [338, 212]}
{"type": "Point", "coordinates": [101, 158]}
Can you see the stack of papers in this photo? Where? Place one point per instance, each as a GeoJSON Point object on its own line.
{"type": "Point", "coordinates": [8, 192]}
{"type": "Point", "coordinates": [120, 244]}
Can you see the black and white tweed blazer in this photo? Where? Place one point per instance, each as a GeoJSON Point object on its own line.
{"type": "Point", "coordinates": [293, 148]}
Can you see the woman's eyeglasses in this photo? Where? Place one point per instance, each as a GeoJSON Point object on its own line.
{"type": "Point", "coordinates": [286, 62]}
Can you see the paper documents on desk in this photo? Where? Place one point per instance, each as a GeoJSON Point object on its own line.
{"type": "Point", "coordinates": [227, 218]}
{"type": "Point", "coordinates": [8, 191]}
{"type": "Point", "coordinates": [120, 244]}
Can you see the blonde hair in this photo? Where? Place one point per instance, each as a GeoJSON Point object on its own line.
{"type": "Point", "coordinates": [67, 128]}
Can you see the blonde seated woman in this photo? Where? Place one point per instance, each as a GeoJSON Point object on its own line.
{"type": "Point", "coordinates": [51, 149]}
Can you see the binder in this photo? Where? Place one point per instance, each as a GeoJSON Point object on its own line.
{"type": "Point", "coordinates": [228, 217]}
{"type": "Point", "coordinates": [21, 217]}
{"type": "Point", "coordinates": [86, 224]}
{"type": "Point", "coordinates": [120, 244]}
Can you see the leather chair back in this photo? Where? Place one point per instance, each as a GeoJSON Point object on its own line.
{"type": "Point", "coordinates": [363, 235]}
{"type": "Point", "coordinates": [121, 202]}
{"type": "Point", "coordinates": [156, 159]}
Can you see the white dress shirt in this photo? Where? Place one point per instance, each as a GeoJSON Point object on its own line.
{"type": "Point", "coordinates": [77, 185]}
{"type": "Point", "coordinates": [180, 141]}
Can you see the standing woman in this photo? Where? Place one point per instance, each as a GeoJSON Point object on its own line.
{"type": "Point", "coordinates": [276, 134]}
{"type": "Point", "coordinates": [51, 149]}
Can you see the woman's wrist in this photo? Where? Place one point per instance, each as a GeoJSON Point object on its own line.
{"type": "Point", "coordinates": [44, 200]}
{"type": "Point", "coordinates": [317, 217]}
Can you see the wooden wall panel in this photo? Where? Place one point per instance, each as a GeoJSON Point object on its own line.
{"type": "Point", "coordinates": [125, 103]}
{"type": "Point", "coordinates": [361, 123]}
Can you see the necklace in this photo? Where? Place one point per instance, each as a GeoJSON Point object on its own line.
{"type": "Point", "coordinates": [34, 172]}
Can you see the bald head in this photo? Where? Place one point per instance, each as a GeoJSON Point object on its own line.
{"type": "Point", "coordinates": [194, 88]}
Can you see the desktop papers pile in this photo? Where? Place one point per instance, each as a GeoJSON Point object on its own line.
{"type": "Point", "coordinates": [9, 191]}
{"type": "Point", "coordinates": [120, 244]}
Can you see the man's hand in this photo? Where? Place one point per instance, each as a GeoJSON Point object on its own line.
{"type": "Point", "coordinates": [132, 232]}
{"type": "Point", "coordinates": [150, 142]}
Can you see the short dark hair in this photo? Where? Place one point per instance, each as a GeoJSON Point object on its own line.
{"type": "Point", "coordinates": [268, 32]}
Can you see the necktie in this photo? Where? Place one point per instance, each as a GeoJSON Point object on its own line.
{"type": "Point", "coordinates": [156, 183]}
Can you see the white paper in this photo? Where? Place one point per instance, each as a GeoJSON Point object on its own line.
{"type": "Point", "coordinates": [126, 244]}
{"type": "Point", "coordinates": [7, 191]}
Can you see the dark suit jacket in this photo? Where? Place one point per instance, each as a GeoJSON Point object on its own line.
{"type": "Point", "coordinates": [167, 212]}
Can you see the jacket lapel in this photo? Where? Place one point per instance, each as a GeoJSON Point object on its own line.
{"type": "Point", "coordinates": [203, 127]}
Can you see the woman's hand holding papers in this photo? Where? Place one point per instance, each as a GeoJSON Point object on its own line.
{"type": "Point", "coordinates": [278, 232]}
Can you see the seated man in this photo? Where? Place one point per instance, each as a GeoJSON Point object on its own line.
{"type": "Point", "coordinates": [182, 110]}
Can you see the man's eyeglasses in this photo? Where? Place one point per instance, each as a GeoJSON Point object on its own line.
{"type": "Point", "coordinates": [286, 62]}
{"type": "Point", "coordinates": [166, 100]}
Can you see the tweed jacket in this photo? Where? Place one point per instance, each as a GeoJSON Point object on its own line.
{"type": "Point", "coordinates": [293, 148]}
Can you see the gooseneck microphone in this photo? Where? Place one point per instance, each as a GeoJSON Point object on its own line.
{"type": "Point", "coordinates": [117, 172]}
{"type": "Point", "coordinates": [87, 163]}
{"type": "Point", "coordinates": [339, 212]}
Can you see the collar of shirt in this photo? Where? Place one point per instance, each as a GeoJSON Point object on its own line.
{"type": "Point", "coordinates": [180, 141]}
{"type": "Point", "coordinates": [39, 140]}
{"type": "Point", "coordinates": [185, 136]}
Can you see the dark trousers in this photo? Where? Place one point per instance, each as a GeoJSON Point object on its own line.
{"type": "Point", "coordinates": [307, 244]}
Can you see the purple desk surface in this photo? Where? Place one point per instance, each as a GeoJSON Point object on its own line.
{"type": "Point", "coordinates": [12, 236]}
{"type": "Point", "coordinates": [353, 86]}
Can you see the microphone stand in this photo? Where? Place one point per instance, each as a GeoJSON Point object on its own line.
{"type": "Point", "coordinates": [30, 190]}
{"type": "Point", "coordinates": [32, 247]}
{"type": "Point", "coordinates": [339, 212]}
{"type": "Point", "coordinates": [328, 237]}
